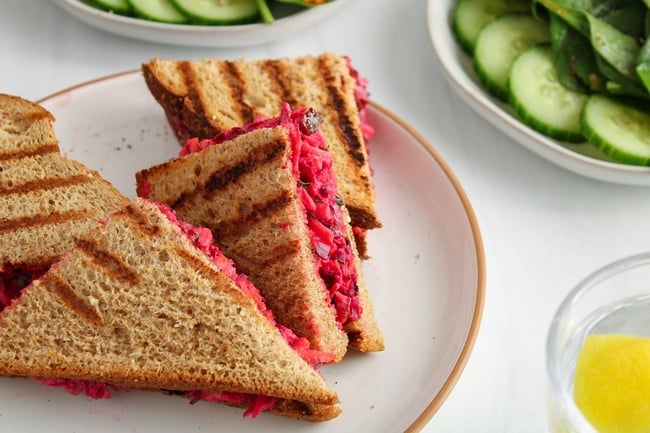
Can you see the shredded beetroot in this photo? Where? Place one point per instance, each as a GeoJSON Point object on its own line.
{"type": "Point", "coordinates": [312, 165]}
{"type": "Point", "coordinates": [94, 390]}
{"type": "Point", "coordinates": [256, 404]}
{"type": "Point", "coordinates": [362, 97]}
{"type": "Point", "coordinates": [13, 279]}
{"type": "Point", "coordinates": [328, 228]}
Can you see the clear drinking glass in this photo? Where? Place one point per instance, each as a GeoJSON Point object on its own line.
{"type": "Point", "coordinates": [613, 299]}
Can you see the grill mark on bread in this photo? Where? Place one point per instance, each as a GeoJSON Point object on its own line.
{"type": "Point", "coordinates": [69, 297]}
{"type": "Point", "coordinates": [280, 253]}
{"type": "Point", "coordinates": [221, 179]}
{"type": "Point", "coordinates": [237, 87]}
{"type": "Point", "coordinates": [260, 156]}
{"type": "Point", "coordinates": [44, 219]}
{"type": "Point", "coordinates": [46, 184]}
{"type": "Point", "coordinates": [192, 83]}
{"type": "Point", "coordinates": [198, 264]}
{"type": "Point", "coordinates": [35, 116]}
{"type": "Point", "coordinates": [277, 71]}
{"type": "Point", "coordinates": [258, 212]}
{"type": "Point", "coordinates": [212, 274]}
{"type": "Point", "coordinates": [110, 263]}
{"type": "Point", "coordinates": [44, 149]}
{"type": "Point", "coordinates": [346, 130]}
{"type": "Point", "coordinates": [139, 220]}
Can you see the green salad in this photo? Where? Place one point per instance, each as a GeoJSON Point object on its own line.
{"type": "Point", "coordinates": [200, 12]}
{"type": "Point", "coordinates": [574, 70]}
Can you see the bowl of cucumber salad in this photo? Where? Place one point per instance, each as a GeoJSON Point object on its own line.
{"type": "Point", "coordinates": [568, 79]}
{"type": "Point", "coordinates": [208, 23]}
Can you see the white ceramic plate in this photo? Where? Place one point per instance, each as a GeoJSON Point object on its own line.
{"type": "Point", "coordinates": [427, 280]}
{"type": "Point", "coordinates": [203, 36]}
{"type": "Point", "coordinates": [583, 159]}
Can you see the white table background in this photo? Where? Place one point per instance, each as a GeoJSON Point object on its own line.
{"type": "Point", "coordinates": [544, 228]}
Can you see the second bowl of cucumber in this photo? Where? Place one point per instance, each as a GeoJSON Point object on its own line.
{"type": "Point", "coordinates": [573, 75]}
{"type": "Point", "coordinates": [201, 12]}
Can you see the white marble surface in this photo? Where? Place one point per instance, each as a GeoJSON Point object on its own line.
{"type": "Point", "coordinates": [543, 227]}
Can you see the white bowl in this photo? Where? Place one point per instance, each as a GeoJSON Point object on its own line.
{"type": "Point", "coordinates": [583, 159]}
{"type": "Point", "coordinates": [198, 35]}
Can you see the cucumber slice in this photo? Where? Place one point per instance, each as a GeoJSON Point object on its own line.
{"type": "Point", "coordinates": [540, 100]}
{"type": "Point", "coordinates": [121, 7]}
{"type": "Point", "coordinates": [219, 12]}
{"type": "Point", "coordinates": [158, 10]}
{"type": "Point", "coordinates": [470, 16]}
{"type": "Point", "coordinates": [617, 129]}
{"type": "Point", "coordinates": [499, 42]}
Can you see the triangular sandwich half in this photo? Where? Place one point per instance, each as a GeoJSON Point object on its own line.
{"type": "Point", "coordinates": [46, 199]}
{"type": "Point", "coordinates": [205, 97]}
{"type": "Point", "coordinates": [268, 193]}
{"type": "Point", "coordinates": [146, 301]}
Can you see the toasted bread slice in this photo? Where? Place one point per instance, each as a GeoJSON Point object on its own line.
{"type": "Point", "coordinates": [248, 188]}
{"type": "Point", "coordinates": [46, 199]}
{"type": "Point", "coordinates": [205, 97]}
{"type": "Point", "coordinates": [145, 302]}
{"type": "Point", "coordinates": [25, 129]}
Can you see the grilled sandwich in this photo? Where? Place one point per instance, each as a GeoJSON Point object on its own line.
{"type": "Point", "coordinates": [268, 193]}
{"type": "Point", "coordinates": [205, 97]}
{"type": "Point", "coordinates": [147, 302]}
{"type": "Point", "coordinates": [46, 199]}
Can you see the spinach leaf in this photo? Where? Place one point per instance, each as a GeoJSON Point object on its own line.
{"type": "Point", "coordinates": [628, 17]}
{"type": "Point", "coordinates": [571, 11]}
{"type": "Point", "coordinates": [615, 47]}
{"type": "Point", "coordinates": [643, 65]}
{"type": "Point", "coordinates": [577, 67]}
{"type": "Point", "coordinates": [597, 44]}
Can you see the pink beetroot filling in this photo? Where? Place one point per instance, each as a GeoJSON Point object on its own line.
{"type": "Point", "coordinates": [362, 97]}
{"type": "Point", "coordinates": [13, 279]}
{"type": "Point", "coordinates": [94, 390]}
{"type": "Point", "coordinates": [255, 404]}
{"type": "Point", "coordinates": [317, 191]}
